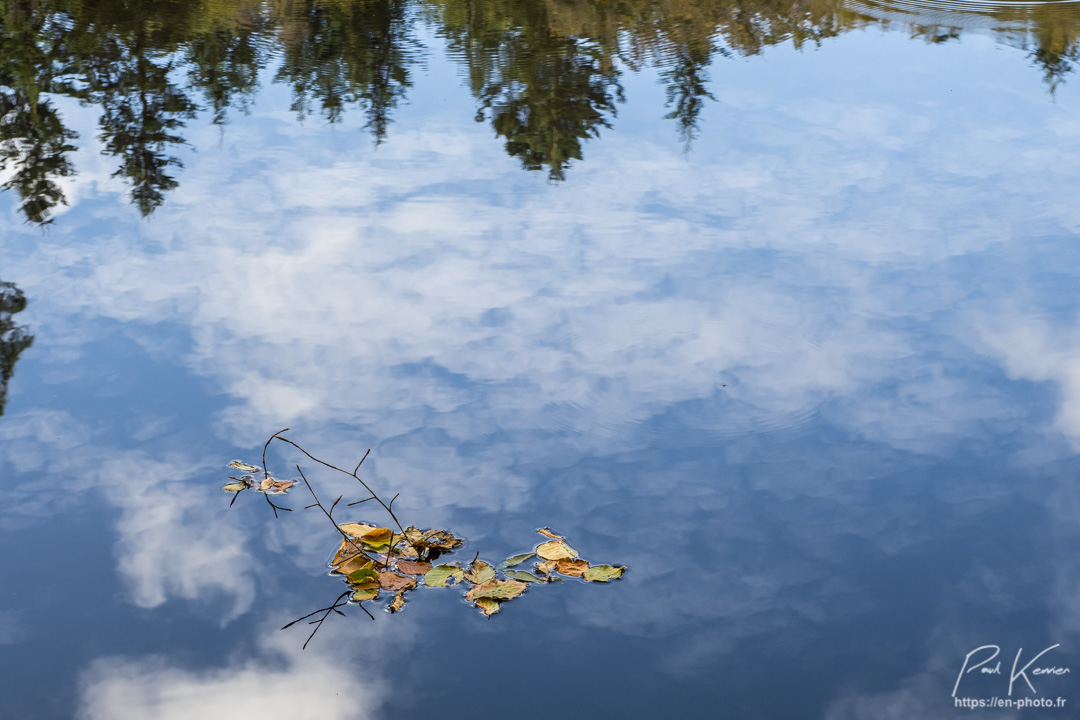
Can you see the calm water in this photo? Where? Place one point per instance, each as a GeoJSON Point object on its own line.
{"type": "Point", "coordinates": [774, 303]}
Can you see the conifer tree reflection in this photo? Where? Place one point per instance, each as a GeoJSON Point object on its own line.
{"type": "Point", "coordinates": [14, 338]}
{"type": "Point", "coordinates": [127, 54]}
{"type": "Point", "coordinates": [337, 54]}
{"type": "Point", "coordinates": [34, 143]}
{"type": "Point", "coordinates": [543, 92]}
{"type": "Point", "coordinates": [685, 82]}
{"type": "Point", "coordinates": [224, 63]}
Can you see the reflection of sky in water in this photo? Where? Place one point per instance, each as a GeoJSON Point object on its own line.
{"type": "Point", "coordinates": [815, 383]}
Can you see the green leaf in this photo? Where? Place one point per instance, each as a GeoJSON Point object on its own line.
{"type": "Point", "coordinates": [603, 573]}
{"type": "Point", "coordinates": [524, 576]}
{"type": "Point", "coordinates": [516, 560]}
{"type": "Point", "coordinates": [369, 591]}
{"type": "Point", "coordinates": [364, 574]}
{"type": "Point", "coordinates": [479, 572]}
{"type": "Point", "coordinates": [443, 576]}
{"type": "Point", "coordinates": [243, 466]}
{"type": "Point", "coordinates": [497, 590]}
{"type": "Point", "coordinates": [556, 550]}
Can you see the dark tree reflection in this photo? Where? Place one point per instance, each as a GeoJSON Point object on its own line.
{"type": "Point", "coordinates": [14, 338]}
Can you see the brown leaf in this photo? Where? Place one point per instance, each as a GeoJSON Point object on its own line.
{"type": "Point", "coordinates": [377, 537]}
{"type": "Point", "coordinates": [413, 535]}
{"type": "Point", "coordinates": [393, 581]}
{"type": "Point", "coordinates": [366, 591]}
{"type": "Point", "coordinates": [410, 567]}
{"type": "Point", "coordinates": [398, 602]}
{"type": "Point", "coordinates": [281, 486]}
{"type": "Point", "coordinates": [547, 533]}
{"type": "Point", "coordinates": [354, 563]}
{"type": "Point", "coordinates": [573, 568]}
{"type": "Point", "coordinates": [266, 484]}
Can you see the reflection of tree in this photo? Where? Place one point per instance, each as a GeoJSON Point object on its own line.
{"type": "Point", "coordinates": [14, 338]}
{"type": "Point", "coordinates": [33, 140]}
{"type": "Point", "coordinates": [685, 81]}
{"type": "Point", "coordinates": [545, 93]}
{"type": "Point", "coordinates": [348, 53]}
{"type": "Point", "coordinates": [127, 73]}
{"type": "Point", "coordinates": [224, 63]}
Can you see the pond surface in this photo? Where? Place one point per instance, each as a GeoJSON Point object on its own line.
{"type": "Point", "coordinates": [774, 303]}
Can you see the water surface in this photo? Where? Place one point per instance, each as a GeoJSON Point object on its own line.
{"type": "Point", "coordinates": [773, 303]}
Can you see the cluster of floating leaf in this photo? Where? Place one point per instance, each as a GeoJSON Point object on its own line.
{"type": "Point", "coordinates": [268, 485]}
{"type": "Point", "coordinates": [374, 560]}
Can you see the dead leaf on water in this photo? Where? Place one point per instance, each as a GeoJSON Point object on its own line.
{"type": "Point", "coordinates": [443, 576]}
{"type": "Point", "coordinates": [377, 537]}
{"type": "Point", "coordinates": [281, 486]}
{"type": "Point", "coordinates": [525, 577]}
{"type": "Point", "coordinates": [547, 567]}
{"type": "Point", "coordinates": [573, 568]}
{"type": "Point", "coordinates": [496, 590]}
{"type": "Point", "coordinates": [243, 466]}
{"type": "Point", "coordinates": [397, 603]}
{"type": "Point", "coordinates": [235, 486]}
{"type": "Point", "coordinates": [547, 532]}
{"type": "Point", "coordinates": [356, 530]}
{"type": "Point", "coordinates": [488, 606]}
{"type": "Point", "coordinates": [603, 573]}
{"type": "Point", "coordinates": [515, 560]}
{"type": "Point", "coordinates": [367, 591]}
{"type": "Point", "coordinates": [266, 484]}
{"type": "Point", "coordinates": [395, 582]}
{"type": "Point", "coordinates": [556, 550]}
{"type": "Point", "coordinates": [410, 567]}
{"type": "Point", "coordinates": [351, 564]}
{"type": "Point", "coordinates": [363, 576]}
{"type": "Point", "coordinates": [479, 572]}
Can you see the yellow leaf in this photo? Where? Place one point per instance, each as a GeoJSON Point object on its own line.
{"type": "Point", "coordinates": [603, 573]}
{"type": "Point", "coordinates": [356, 530]}
{"type": "Point", "coordinates": [266, 484]}
{"type": "Point", "coordinates": [496, 590]}
{"type": "Point", "coordinates": [377, 537]}
{"type": "Point", "coordinates": [488, 606]}
{"type": "Point", "coordinates": [397, 603]}
{"type": "Point", "coordinates": [354, 563]}
{"type": "Point", "coordinates": [547, 567]}
{"type": "Point", "coordinates": [479, 572]}
{"type": "Point", "coordinates": [243, 466]}
{"type": "Point", "coordinates": [443, 576]}
{"type": "Point", "coordinates": [556, 550]}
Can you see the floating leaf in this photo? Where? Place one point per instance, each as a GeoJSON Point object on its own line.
{"type": "Point", "coordinates": [547, 567]}
{"type": "Point", "coordinates": [363, 576]}
{"type": "Point", "coordinates": [547, 532]}
{"type": "Point", "coordinates": [479, 572]}
{"type": "Point", "coordinates": [243, 466]}
{"type": "Point", "coordinates": [410, 567]}
{"type": "Point", "coordinates": [556, 550]}
{"type": "Point", "coordinates": [516, 560]}
{"type": "Point", "coordinates": [488, 606]}
{"type": "Point", "coordinates": [235, 486]}
{"type": "Point", "coordinates": [443, 576]}
{"type": "Point", "coordinates": [497, 590]}
{"type": "Point", "coordinates": [351, 564]}
{"type": "Point", "coordinates": [266, 484]}
{"type": "Point", "coordinates": [281, 486]}
{"type": "Point", "coordinates": [573, 568]}
{"type": "Point", "coordinates": [441, 539]}
{"type": "Point", "coordinates": [393, 581]}
{"type": "Point", "coordinates": [377, 537]}
{"type": "Point", "coordinates": [397, 603]}
{"type": "Point", "coordinates": [413, 535]}
{"type": "Point", "coordinates": [367, 591]}
{"type": "Point", "coordinates": [356, 530]}
{"type": "Point", "coordinates": [525, 577]}
{"type": "Point", "coordinates": [603, 573]}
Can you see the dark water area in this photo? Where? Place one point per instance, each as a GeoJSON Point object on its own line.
{"type": "Point", "coordinates": [773, 303]}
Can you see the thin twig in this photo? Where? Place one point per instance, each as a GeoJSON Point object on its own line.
{"type": "Point", "coordinates": [361, 461]}
{"type": "Point", "coordinates": [341, 532]}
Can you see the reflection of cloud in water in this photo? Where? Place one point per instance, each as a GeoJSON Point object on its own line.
{"type": "Point", "coordinates": [280, 683]}
{"type": "Point", "coordinates": [174, 540]}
